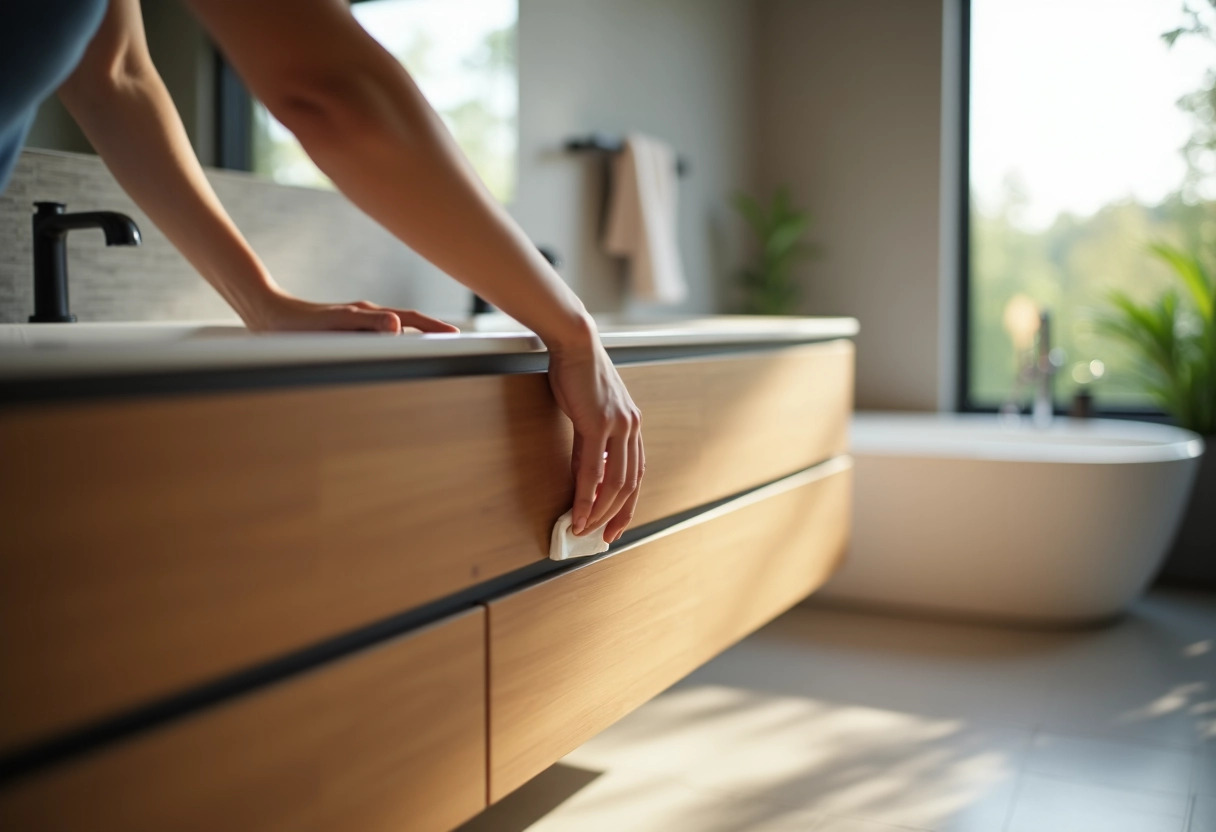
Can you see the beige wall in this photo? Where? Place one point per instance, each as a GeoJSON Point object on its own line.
{"type": "Point", "coordinates": [679, 69]}
{"type": "Point", "coordinates": [849, 114]}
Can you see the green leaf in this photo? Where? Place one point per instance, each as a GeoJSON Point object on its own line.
{"type": "Point", "coordinates": [781, 203]}
{"type": "Point", "coordinates": [750, 210]}
{"type": "Point", "coordinates": [1194, 276]}
{"type": "Point", "coordinates": [785, 235]}
{"type": "Point", "coordinates": [769, 284]}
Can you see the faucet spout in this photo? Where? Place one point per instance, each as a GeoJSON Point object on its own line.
{"type": "Point", "coordinates": [1045, 371]}
{"type": "Point", "coordinates": [51, 226]}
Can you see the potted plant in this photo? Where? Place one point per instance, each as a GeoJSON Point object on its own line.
{"type": "Point", "coordinates": [768, 284]}
{"type": "Point", "coordinates": [1174, 338]}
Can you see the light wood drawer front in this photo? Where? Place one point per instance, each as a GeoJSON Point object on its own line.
{"type": "Point", "coordinates": [571, 655]}
{"type": "Point", "coordinates": [391, 738]}
{"type": "Point", "coordinates": [248, 525]}
{"type": "Point", "coordinates": [715, 427]}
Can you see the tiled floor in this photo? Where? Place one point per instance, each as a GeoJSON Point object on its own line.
{"type": "Point", "coordinates": [837, 721]}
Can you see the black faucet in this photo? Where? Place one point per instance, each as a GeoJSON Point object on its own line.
{"type": "Point", "coordinates": [51, 227]}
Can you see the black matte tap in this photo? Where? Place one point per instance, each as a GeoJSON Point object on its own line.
{"type": "Point", "coordinates": [51, 227]}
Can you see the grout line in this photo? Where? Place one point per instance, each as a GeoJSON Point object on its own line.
{"type": "Point", "coordinates": [1021, 776]}
{"type": "Point", "coordinates": [1072, 779]}
{"type": "Point", "coordinates": [1189, 819]}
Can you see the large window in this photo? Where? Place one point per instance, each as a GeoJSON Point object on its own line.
{"type": "Point", "coordinates": [1090, 138]}
{"type": "Point", "coordinates": [462, 55]}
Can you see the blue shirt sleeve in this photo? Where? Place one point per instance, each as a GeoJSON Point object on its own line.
{"type": "Point", "coordinates": [41, 42]}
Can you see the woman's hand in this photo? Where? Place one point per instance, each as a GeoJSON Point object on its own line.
{"type": "Point", "coordinates": [281, 312]}
{"type": "Point", "coordinates": [607, 424]}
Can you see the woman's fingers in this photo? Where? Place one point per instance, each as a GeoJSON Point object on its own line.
{"type": "Point", "coordinates": [356, 318]}
{"type": "Point", "coordinates": [624, 469]}
{"type": "Point", "coordinates": [628, 486]}
{"type": "Point", "coordinates": [590, 472]}
{"type": "Point", "coordinates": [412, 318]}
{"type": "Point", "coordinates": [624, 514]}
{"type": "Point", "coordinates": [614, 479]}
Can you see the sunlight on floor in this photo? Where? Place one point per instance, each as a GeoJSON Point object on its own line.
{"type": "Point", "coordinates": [837, 721]}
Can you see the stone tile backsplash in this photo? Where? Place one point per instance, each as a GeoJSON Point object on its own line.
{"type": "Point", "coordinates": [316, 244]}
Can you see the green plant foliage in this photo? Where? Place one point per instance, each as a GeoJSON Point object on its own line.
{"type": "Point", "coordinates": [1174, 340]}
{"type": "Point", "coordinates": [768, 284]}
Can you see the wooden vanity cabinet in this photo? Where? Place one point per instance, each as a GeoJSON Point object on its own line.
{"type": "Point", "coordinates": [155, 544]}
{"type": "Point", "coordinates": [158, 545]}
{"type": "Point", "coordinates": [389, 738]}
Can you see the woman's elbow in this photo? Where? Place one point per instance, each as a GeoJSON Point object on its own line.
{"type": "Point", "coordinates": [336, 107]}
{"type": "Point", "coordinates": [100, 77]}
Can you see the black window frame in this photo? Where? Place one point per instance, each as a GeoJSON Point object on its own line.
{"type": "Point", "coordinates": [234, 116]}
{"type": "Point", "coordinates": [964, 403]}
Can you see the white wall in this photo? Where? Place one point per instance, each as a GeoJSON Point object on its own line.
{"type": "Point", "coordinates": [850, 95]}
{"type": "Point", "coordinates": [679, 69]}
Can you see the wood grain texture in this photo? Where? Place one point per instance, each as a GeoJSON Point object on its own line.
{"type": "Point", "coordinates": [571, 655]}
{"type": "Point", "coordinates": [153, 544]}
{"type": "Point", "coordinates": [716, 427]}
{"type": "Point", "coordinates": [389, 739]}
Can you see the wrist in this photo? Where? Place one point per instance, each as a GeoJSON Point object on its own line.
{"type": "Point", "coordinates": [252, 293]}
{"type": "Point", "coordinates": [575, 333]}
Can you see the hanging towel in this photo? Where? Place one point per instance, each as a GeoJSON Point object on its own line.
{"type": "Point", "coordinates": [642, 219]}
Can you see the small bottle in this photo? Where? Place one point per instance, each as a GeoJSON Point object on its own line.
{"type": "Point", "coordinates": [1082, 403]}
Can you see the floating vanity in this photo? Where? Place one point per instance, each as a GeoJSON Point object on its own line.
{"type": "Point", "coordinates": [300, 581]}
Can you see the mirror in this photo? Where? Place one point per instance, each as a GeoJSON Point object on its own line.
{"type": "Point", "coordinates": [462, 54]}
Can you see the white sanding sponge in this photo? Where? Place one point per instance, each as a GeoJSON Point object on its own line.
{"type": "Point", "coordinates": [564, 544]}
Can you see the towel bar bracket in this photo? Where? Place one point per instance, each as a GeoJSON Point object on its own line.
{"type": "Point", "coordinates": [604, 143]}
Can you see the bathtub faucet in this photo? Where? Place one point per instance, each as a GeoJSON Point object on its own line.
{"type": "Point", "coordinates": [1044, 373]}
{"type": "Point", "coordinates": [1038, 372]}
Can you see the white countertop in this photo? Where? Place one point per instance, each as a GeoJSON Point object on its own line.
{"type": "Point", "coordinates": [30, 351]}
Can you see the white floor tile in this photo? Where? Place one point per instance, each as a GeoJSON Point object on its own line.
{"type": "Point", "coordinates": [1111, 763]}
{"type": "Point", "coordinates": [876, 765]}
{"type": "Point", "coordinates": [1203, 780]}
{"type": "Point", "coordinates": [987, 674]}
{"type": "Point", "coordinates": [1046, 804]}
{"type": "Point", "coordinates": [1203, 814]}
{"type": "Point", "coordinates": [1147, 677]}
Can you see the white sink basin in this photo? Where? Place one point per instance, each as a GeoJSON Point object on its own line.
{"type": "Point", "coordinates": [53, 336]}
{"type": "Point", "coordinates": [32, 350]}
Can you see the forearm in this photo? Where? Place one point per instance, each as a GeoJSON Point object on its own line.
{"type": "Point", "coordinates": [361, 118]}
{"type": "Point", "coordinates": [130, 119]}
{"type": "Point", "coordinates": [408, 173]}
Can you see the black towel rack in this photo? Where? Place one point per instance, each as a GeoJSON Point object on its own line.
{"type": "Point", "coordinates": [603, 143]}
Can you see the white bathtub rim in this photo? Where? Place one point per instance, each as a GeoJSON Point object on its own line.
{"type": "Point", "coordinates": [983, 437]}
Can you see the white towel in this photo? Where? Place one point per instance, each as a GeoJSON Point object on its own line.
{"type": "Point", "coordinates": [564, 544]}
{"type": "Point", "coordinates": [642, 219]}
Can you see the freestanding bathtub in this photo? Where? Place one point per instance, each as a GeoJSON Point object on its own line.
{"type": "Point", "coordinates": [969, 515]}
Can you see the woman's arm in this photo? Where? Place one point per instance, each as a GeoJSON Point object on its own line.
{"type": "Point", "coordinates": [120, 102]}
{"type": "Point", "coordinates": [364, 122]}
